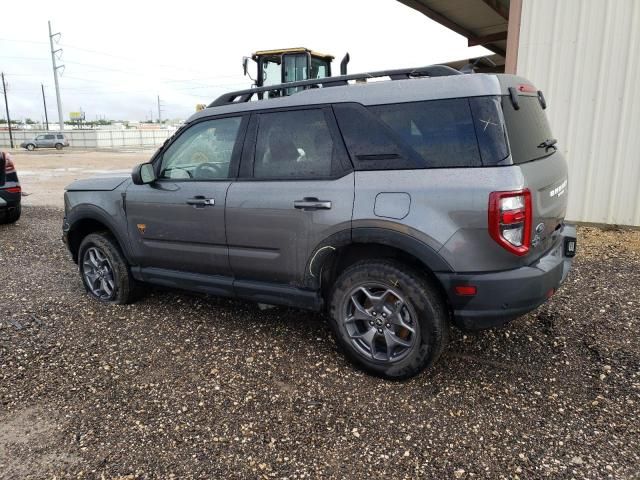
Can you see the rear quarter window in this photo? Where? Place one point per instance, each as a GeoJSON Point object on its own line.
{"type": "Point", "coordinates": [448, 133]}
{"type": "Point", "coordinates": [441, 132]}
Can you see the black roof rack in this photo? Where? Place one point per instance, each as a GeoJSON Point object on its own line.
{"type": "Point", "coordinates": [241, 96]}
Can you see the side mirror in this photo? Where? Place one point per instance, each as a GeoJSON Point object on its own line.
{"type": "Point", "coordinates": [143, 174]}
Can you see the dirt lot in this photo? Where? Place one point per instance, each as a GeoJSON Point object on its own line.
{"type": "Point", "coordinates": [182, 386]}
{"type": "Point", "coordinates": [45, 173]}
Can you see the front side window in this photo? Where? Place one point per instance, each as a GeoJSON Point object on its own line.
{"type": "Point", "coordinates": [202, 152]}
{"type": "Point", "coordinates": [295, 144]}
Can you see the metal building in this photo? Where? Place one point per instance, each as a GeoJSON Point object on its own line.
{"type": "Point", "coordinates": [585, 56]}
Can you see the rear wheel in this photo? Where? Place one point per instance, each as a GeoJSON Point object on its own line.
{"type": "Point", "coordinates": [104, 270]}
{"type": "Point", "coordinates": [389, 320]}
{"type": "Point", "coordinates": [12, 216]}
{"type": "Point", "coordinates": [31, 147]}
{"type": "Point", "coordinates": [59, 146]}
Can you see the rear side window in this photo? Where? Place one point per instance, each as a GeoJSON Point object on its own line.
{"type": "Point", "coordinates": [441, 132]}
{"type": "Point", "coordinates": [448, 133]}
{"type": "Point", "coordinates": [294, 144]}
{"type": "Point", "coordinates": [527, 128]}
{"type": "Point", "coordinates": [60, 137]}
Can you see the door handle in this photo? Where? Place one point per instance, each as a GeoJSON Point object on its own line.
{"type": "Point", "coordinates": [312, 203]}
{"type": "Point", "coordinates": [200, 201]}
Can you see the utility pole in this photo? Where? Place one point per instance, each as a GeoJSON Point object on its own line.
{"type": "Point", "coordinates": [159, 111]}
{"type": "Point", "coordinates": [44, 100]}
{"type": "Point", "coordinates": [55, 75]}
{"type": "Point", "coordinates": [6, 106]}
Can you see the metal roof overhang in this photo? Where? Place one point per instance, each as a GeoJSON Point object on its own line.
{"type": "Point", "coordinates": [482, 22]}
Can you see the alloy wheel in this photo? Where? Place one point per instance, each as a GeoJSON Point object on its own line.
{"type": "Point", "coordinates": [98, 274]}
{"type": "Point", "coordinates": [380, 323]}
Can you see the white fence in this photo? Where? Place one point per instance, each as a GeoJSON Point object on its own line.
{"type": "Point", "coordinates": [135, 139]}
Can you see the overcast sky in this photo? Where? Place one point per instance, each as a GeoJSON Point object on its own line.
{"type": "Point", "coordinates": [119, 55]}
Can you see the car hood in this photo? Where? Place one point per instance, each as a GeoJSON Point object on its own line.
{"type": "Point", "coordinates": [98, 184]}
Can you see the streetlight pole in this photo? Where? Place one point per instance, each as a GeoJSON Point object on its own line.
{"type": "Point", "coordinates": [6, 106]}
{"type": "Point", "coordinates": [44, 101]}
{"type": "Point", "coordinates": [55, 76]}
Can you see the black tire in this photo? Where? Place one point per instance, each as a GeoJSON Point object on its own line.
{"type": "Point", "coordinates": [31, 147]}
{"type": "Point", "coordinates": [59, 146]}
{"type": "Point", "coordinates": [123, 288]}
{"type": "Point", "coordinates": [422, 310]}
{"type": "Point", "coordinates": [13, 216]}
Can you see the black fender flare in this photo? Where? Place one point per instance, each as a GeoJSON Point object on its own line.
{"type": "Point", "coordinates": [371, 235]}
{"type": "Point", "coordinates": [92, 212]}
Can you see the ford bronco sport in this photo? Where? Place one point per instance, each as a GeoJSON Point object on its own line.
{"type": "Point", "coordinates": [399, 207]}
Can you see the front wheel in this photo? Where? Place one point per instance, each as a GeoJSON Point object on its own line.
{"type": "Point", "coordinates": [389, 320]}
{"type": "Point", "coordinates": [31, 147]}
{"type": "Point", "coordinates": [104, 270]}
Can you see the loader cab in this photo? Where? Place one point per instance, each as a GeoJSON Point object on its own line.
{"type": "Point", "coordinates": [275, 67]}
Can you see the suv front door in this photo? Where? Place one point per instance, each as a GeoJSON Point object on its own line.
{"type": "Point", "coordinates": [295, 189]}
{"type": "Point", "coordinates": [177, 222]}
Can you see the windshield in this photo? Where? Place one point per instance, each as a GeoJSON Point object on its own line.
{"type": "Point", "coordinates": [527, 129]}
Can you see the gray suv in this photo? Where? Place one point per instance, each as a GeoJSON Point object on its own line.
{"type": "Point", "coordinates": [399, 207]}
{"type": "Point", "coordinates": [46, 140]}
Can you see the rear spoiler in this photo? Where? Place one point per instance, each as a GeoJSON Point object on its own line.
{"type": "Point", "coordinates": [514, 93]}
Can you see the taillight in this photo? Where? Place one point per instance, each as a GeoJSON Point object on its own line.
{"type": "Point", "coordinates": [510, 220]}
{"type": "Point", "coordinates": [9, 166]}
{"type": "Point", "coordinates": [13, 189]}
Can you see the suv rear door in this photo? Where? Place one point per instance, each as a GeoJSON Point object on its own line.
{"type": "Point", "coordinates": [295, 189]}
{"type": "Point", "coordinates": [177, 222]}
{"type": "Point", "coordinates": [542, 165]}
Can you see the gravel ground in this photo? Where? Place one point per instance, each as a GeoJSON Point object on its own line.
{"type": "Point", "coordinates": [181, 386]}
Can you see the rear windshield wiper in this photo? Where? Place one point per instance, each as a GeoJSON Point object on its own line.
{"type": "Point", "coordinates": [548, 143]}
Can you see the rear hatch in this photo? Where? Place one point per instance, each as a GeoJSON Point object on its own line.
{"type": "Point", "coordinates": [536, 152]}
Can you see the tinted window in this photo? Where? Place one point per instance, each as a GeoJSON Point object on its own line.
{"type": "Point", "coordinates": [49, 137]}
{"type": "Point", "coordinates": [60, 137]}
{"type": "Point", "coordinates": [371, 143]}
{"type": "Point", "coordinates": [527, 128]}
{"type": "Point", "coordinates": [294, 144]}
{"type": "Point", "coordinates": [489, 125]}
{"type": "Point", "coordinates": [202, 152]}
{"type": "Point", "coordinates": [441, 132]}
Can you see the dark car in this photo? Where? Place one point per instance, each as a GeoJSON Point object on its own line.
{"type": "Point", "coordinates": [10, 190]}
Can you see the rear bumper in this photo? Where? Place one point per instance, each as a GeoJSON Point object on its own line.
{"type": "Point", "coordinates": [9, 200]}
{"type": "Point", "coordinates": [506, 295]}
